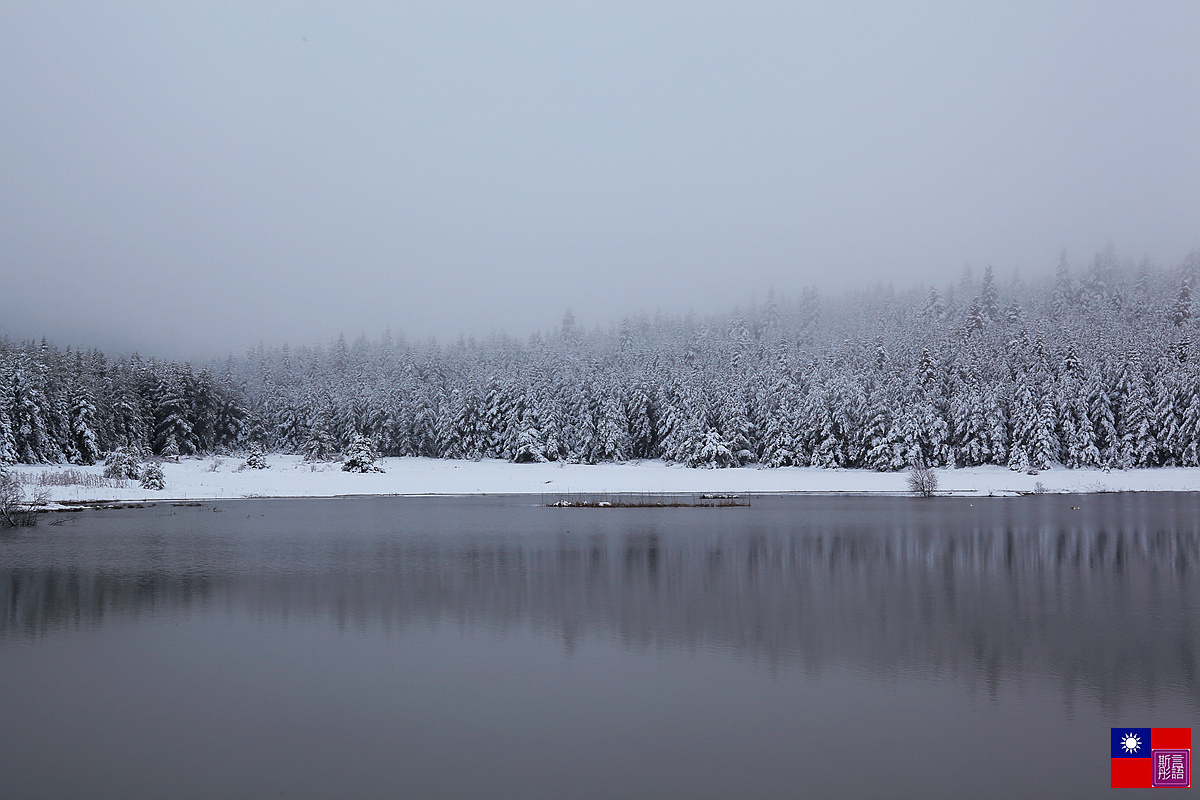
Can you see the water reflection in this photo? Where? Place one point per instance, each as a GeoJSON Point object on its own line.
{"type": "Point", "coordinates": [1099, 600]}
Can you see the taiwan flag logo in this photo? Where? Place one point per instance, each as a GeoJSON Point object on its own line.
{"type": "Point", "coordinates": [1148, 758]}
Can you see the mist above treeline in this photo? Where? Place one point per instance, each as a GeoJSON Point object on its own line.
{"type": "Point", "coordinates": [1091, 367]}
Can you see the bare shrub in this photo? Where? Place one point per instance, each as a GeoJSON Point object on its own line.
{"type": "Point", "coordinates": [15, 508]}
{"type": "Point", "coordinates": [922, 481]}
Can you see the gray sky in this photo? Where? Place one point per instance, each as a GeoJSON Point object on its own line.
{"type": "Point", "coordinates": [189, 178]}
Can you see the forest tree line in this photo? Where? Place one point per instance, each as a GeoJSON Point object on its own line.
{"type": "Point", "coordinates": [1099, 368]}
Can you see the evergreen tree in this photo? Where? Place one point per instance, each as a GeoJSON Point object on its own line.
{"type": "Point", "coordinates": [613, 439]}
{"type": "Point", "coordinates": [173, 434]}
{"type": "Point", "coordinates": [83, 435]}
{"type": "Point", "coordinates": [713, 451]}
{"type": "Point", "coordinates": [989, 298]}
{"type": "Point", "coordinates": [1063, 296]}
{"type": "Point", "coordinates": [360, 456]}
{"type": "Point", "coordinates": [257, 459]}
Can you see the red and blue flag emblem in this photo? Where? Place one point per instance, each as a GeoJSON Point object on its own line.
{"type": "Point", "coordinates": [1146, 758]}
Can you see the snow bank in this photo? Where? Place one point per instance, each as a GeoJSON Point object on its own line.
{"type": "Point", "coordinates": [290, 476]}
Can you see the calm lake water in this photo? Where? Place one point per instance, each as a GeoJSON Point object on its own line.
{"type": "Point", "coordinates": [492, 648]}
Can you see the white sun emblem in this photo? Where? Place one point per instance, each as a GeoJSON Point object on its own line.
{"type": "Point", "coordinates": [1130, 742]}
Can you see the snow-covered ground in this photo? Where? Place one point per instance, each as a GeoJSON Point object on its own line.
{"type": "Point", "coordinates": [290, 476]}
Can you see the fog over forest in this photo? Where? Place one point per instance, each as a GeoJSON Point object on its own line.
{"type": "Point", "coordinates": [1097, 367]}
{"type": "Point", "coordinates": [188, 179]}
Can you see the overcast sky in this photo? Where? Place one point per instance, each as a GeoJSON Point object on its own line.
{"type": "Point", "coordinates": [191, 178]}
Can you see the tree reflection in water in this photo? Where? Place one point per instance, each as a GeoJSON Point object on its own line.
{"type": "Point", "coordinates": [1100, 601]}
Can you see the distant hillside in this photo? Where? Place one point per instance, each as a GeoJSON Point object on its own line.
{"type": "Point", "coordinates": [1099, 369]}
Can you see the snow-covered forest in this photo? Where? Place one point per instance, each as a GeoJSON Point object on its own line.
{"type": "Point", "coordinates": [1100, 367]}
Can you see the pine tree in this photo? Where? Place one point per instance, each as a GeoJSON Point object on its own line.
{"type": "Point", "coordinates": [530, 444]}
{"type": "Point", "coordinates": [613, 439]}
{"type": "Point", "coordinates": [1044, 447]}
{"type": "Point", "coordinates": [1103, 421]}
{"type": "Point", "coordinates": [1131, 417]}
{"type": "Point", "coordinates": [360, 456]}
{"type": "Point", "coordinates": [1018, 459]}
{"type": "Point", "coordinates": [933, 309]}
{"type": "Point", "coordinates": [735, 429]}
{"type": "Point", "coordinates": [173, 434]}
{"type": "Point", "coordinates": [257, 459]}
{"type": "Point", "coordinates": [1181, 312]}
{"type": "Point", "coordinates": [1063, 296]}
{"type": "Point", "coordinates": [1163, 422]}
{"type": "Point", "coordinates": [989, 298]}
{"type": "Point", "coordinates": [83, 435]}
{"type": "Point", "coordinates": [924, 434]}
{"type": "Point", "coordinates": [969, 426]}
{"type": "Point", "coordinates": [319, 444]}
{"type": "Point", "coordinates": [8, 443]}
{"type": "Point", "coordinates": [152, 477]}
{"type": "Point", "coordinates": [1189, 425]}
{"type": "Point", "coordinates": [712, 451]}
{"type": "Point", "coordinates": [29, 409]}
{"type": "Point", "coordinates": [643, 439]}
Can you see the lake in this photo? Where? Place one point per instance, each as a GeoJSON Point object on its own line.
{"type": "Point", "coordinates": [491, 647]}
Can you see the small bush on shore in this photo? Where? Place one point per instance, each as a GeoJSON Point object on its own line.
{"type": "Point", "coordinates": [152, 477]}
{"type": "Point", "coordinates": [922, 481]}
{"type": "Point", "coordinates": [257, 458]}
{"type": "Point", "coordinates": [360, 456]}
{"type": "Point", "coordinates": [15, 508]}
{"type": "Point", "coordinates": [124, 463]}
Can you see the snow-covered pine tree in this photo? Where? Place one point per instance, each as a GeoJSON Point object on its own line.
{"type": "Point", "coordinates": [360, 456]}
{"type": "Point", "coordinates": [28, 413]}
{"type": "Point", "coordinates": [1081, 450]}
{"type": "Point", "coordinates": [83, 435]}
{"type": "Point", "coordinates": [1181, 311]}
{"type": "Point", "coordinates": [1044, 448]}
{"type": "Point", "coordinates": [1100, 412]}
{"type": "Point", "coordinates": [1018, 459]}
{"type": "Point", "coordinates": [8, 445]}
{"type": "Point", "coordinates": [1188, 447]}
{"type": "Point", "coordinates": [152, 476]}
{"type": "Point", "coordinates": [530, 447]}
{"type": "Point", "coordinates": [1063, 297]}
{"type": "Point", "coordinates": [641, 413]}
{"type": "Point", "coordinates": [124, 463]}
{"type": "Point", "coordinates": [613, 434]}
{"type": "Point", "coordinates": [924, 434]}
{"type": "Point", "coordinates": [933, 309]}
{"type": "Point", "coordinates": [735, 427]}
{"type": "Point", "coordinates": [173, 434]}
{"type": "Point", "coordinates": [989, 298]}
{"type": "Point", "coordinates": [1131, 415]}
{"type": "Point", "coordinates": [712, 451]}
{"type": "Point", "coordinates": [257, 459]}
{"type": "Point", "coordinates": [881, 446]}
{"type": "Point", "coordinates": [1162, 432]}
{"type": "Point", "coordinates": [170, 450]}
{"type": "Point", "coordinates": [969, 426]}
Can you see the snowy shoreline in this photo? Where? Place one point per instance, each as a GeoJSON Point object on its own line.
{"type": "Point", "coordinates": [224, 478]}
